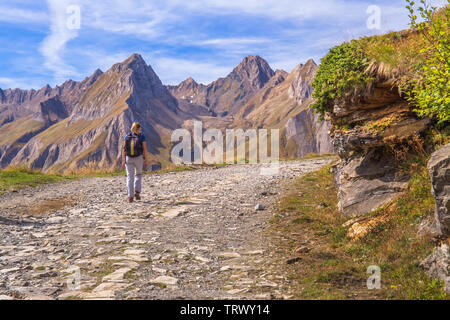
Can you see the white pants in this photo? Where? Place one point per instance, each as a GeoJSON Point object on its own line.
{"type": "Point", "coordinates": [134, 174]}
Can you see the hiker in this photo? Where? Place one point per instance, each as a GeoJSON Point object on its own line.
{"type": "Point", "coordinates": [134, 156]}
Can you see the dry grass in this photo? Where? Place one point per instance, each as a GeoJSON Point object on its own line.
{"type": "Point", "coordinates": [13, 131]}
{"type": "Point", "coordinates": [46, 207]}
{"type": "Point", "coordinates": [393, 55]}
{"type": "Point", "coordinates": [336, 267]}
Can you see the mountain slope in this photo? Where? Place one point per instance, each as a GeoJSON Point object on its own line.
{"type": "Point", "coordinates": [226, 96]}
{"type": "Point", "coordinates": [78, 123]}
{"type": "Point", "coordinates": [25, 113]}
{"type": "Point", "coordinates": [284, 104]}
{"type": "Point", "coordinates": [129, 91]}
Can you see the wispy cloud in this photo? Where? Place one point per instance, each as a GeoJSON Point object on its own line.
{"type": "Point", "coordinates": [173, 70]}
{"type": "Point", "coordinates": [204, 39]}
{"type": "Point", "coordinates": [17, 15]}
{"type": "Point", "coordinates": [54, 44]}
{"type": "Point", "coordinates": [10, 83]}
{"type": "Point", "coordinates": [232, 41]}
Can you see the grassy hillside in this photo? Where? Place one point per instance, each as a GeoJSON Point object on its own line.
{"type": "Point", "coordinates": [15, 178]}
{"type": "Point", "coordinates": [13, 131]}
{"type": "Point", "coordinates": [336, 266]}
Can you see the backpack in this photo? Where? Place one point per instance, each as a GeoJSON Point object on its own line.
{"type": "Point", "coordinates": [133, 146]}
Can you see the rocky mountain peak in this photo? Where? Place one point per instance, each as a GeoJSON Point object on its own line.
{"type": "Point", "coordinates": [310, 62]}
{"type": "Point", "coordinates": [302, 76]}
{"type": "Point", "coordinates": [254, 69]}
{"type": "Point", "coordinates": [189, 83]}
{"type": "Point", "coordinates": [135, 62]}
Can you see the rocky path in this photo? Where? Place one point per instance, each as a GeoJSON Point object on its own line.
{"type": "Point", "coordinates": [195, 234]}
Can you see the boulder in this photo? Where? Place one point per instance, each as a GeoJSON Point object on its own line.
{"type": "Point", "coordinates": [365, 128]}
{"type": "Point", "coordinates": [439, 168]}
{"type": "Point", "coordinates": [366, 182]}
{"type": "Point", "coordinates": [437, 265]}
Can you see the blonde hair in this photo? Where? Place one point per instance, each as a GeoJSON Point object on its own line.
{"type": "Point", "coordinates": [135, 127]}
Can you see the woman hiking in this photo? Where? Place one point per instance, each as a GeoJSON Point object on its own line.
{"type": "Point", "coordinates": [134, 156]}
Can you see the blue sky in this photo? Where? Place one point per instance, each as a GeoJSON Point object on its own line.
{"type": "Point", "coordinates": [204, 39]}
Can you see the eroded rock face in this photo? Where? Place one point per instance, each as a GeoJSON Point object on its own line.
{"type": "Point", "coordinates": [226, 96]}
{"type": "Point", "coordinates": [439, 167]}
{"type": "Point", "coordinates": [438, 265]}
{"type": "Point", "coordinates": [368, 175]}
{"type": "Point", "coordinates": [367, 182]}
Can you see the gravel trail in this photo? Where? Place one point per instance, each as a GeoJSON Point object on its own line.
{"type": "Point", "coordinates": [194, 235]}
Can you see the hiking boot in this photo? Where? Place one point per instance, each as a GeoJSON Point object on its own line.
{"type": "Point", "coordinates": [130, 199]}
{"type": "Point", "coordinates": [137, 195]}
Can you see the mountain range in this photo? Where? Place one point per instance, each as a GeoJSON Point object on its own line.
{"type": "Point", "coordinates": [82, 122]}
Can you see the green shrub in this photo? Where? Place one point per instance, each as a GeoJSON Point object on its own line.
{"type": "Point", "coordinates": [340, 71]}
{"type": "Point", "coordinates": [430, 92]}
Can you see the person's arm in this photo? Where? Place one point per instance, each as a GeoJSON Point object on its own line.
{"type": "Point", "coordinates": [144, 145]}
{"type": "Point", "coordinates": [123, 154]}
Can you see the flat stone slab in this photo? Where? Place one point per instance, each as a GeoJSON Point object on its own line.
{"type": "Point", "coordinates": [229, 255]}
{"type": "Point", "coordinates": [117, 275]}
{"type": "Point", "coordinates": [165, 280]}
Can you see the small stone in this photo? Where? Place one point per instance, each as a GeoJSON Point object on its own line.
{"type": "Point", "coordinates": [39, 234]}
{"type": "Point", "coordinates": [77, 211]}
{"type": "Point", "coordinates": [303, 249]}
{"type": "Point", "coordinates": [55, 220]}
{"type": "Point", "coordinates": [259, 207]}
{"type": "Point", "coordinates": [229, 255]}
{"type": "Point", "coordinates": [235, 291]}
{"type": "Point", "coordinates": [134, 252]}
{"type": "Point", "coordinates": [253, 253]}
{"type": "Point", "coordinates": [202, 259]}
{"type": "Point", "coordinates": [3, 271]}
{"type": "Point", "coordinates": [137, 242]}
{"type": "Point", "coordinates": [156, 257]}
{"type": "Point", "coordinates": [293, 260]}
{"type": "Point", "coordinates": [165, 280]}
{"type": "Point", "coordinates": [322, 205]}
{"type": "Point", "coordinates": [159, 270]}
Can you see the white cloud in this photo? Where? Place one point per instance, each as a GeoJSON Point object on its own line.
{"type": "Point", "coordinates": [130, 17]}
{"type": "Point", "coordinates": [16, 15]}
{"type": "Point", "coordinates": [9, 83]}
{"type": "Point", "coordinates": [221, 42]}
{"type": "Point", "coordinates": [173, 70]}
{"type": "Point", "coordinates": [54, 44]}
{"type": "Point", "coordinates": [275, 9]}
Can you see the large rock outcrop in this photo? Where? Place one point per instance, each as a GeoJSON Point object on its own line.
{"type": "Point", "coordinates": [368, 131]}
{"type": "Point", "coordinates": [437, 265]}
{"type": "Point", "coordinates": [439, 167]}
